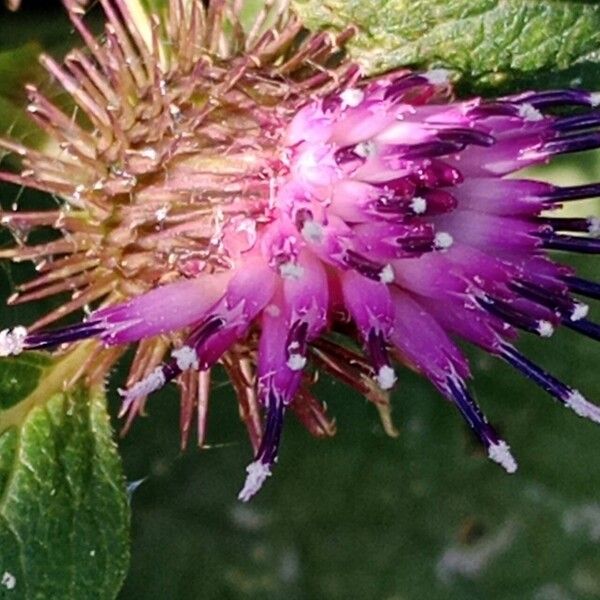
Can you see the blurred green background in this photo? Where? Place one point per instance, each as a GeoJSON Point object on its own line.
{"type": "Point", "coordinates": [423, 516]}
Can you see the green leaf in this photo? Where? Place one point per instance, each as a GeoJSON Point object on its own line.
{"type": "Point", "coordinates": [20, 377]}
{"type": "Point", "coordinates": [64, 515]}
{"type": "Point", "coordinates": [17, 68]}
{"type": "Point", "coordinates": [22, 40]}
{"type": "Point", "coordinates": [487, 43]}
{"type": "Point", "coordinates": [422, 516]}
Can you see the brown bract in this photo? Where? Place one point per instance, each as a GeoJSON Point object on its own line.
{"type": "Point", "coordinates": [174, 128]}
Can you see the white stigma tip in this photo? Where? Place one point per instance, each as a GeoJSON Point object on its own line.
{"type": "Point", "coordinates": [365, 149]}
{"type": "Point", "coordinates": [387, 274]}
{"type": "Point", "coordinates": [418, 205]}
{"type": "Point", "coordinates": [595, 99]}
{"type": "Point", "coordinates": [12, 341]}
{"type": "Point", "coordinates": [530, 113]}
{"type": "Point", "coordinates": [291, 270]}
{"type": "Point", "coordinates": [352, 97]}
{"type": "Point", "coordinates": [500, 453]}
{"type": "Point", "coordinates": [257, 475]}
{"type": "Point", "coordinates": [443, 240]}
{"type": "Point", "coordinates": [594, 225]}
{"type": "Point", "coordinates": [186, 358]}
{"type": "Point", "coordinates": [296, 362]}
{"type": "Point", "coordinates": [438, 76]}
{"type": "Point", "coordinates": [580, 406]}
{"type": "Point", "coordinates": [146, 386]}
{"type": "Point", "coordinates": [386, 378]}
{"type": "Point", "coordinates": [545, 328]}
{"type": "Point", "coordinates": [312, 232]}
{"type": "Point", "coordinates": [580, 311]}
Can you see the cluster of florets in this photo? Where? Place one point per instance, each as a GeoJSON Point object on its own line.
{"type": "Point", "coordinates": [378, 211]}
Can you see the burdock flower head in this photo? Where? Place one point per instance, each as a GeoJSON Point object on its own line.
{"type": "Point", "coordinates": [237, 193]}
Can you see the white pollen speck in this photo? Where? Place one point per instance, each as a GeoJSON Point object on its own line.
{"type": "Point", "coordinates": [307, 160]}
{"type": "Point", "coordinates": [313, 232]}
{"type": "Point", "coordinates": [594, 225]}
{"type": "Point", "coordinates": [248, 226]}
{"type": "Point", "coordinates": [186, 358]}
{"type": "Point", "coordinates": [438, 76]}
{"type": "Point", "coordinates": [580, 311]}
{"type": "Point", "coordinates": [273, 310]}
{"type": "Point", "coordinates": [387, 274]}
{"type": "Point", "coordinates": [257, 475]}
{"type": "Point", "coordinates": [580, 406]}
{"type": "Point", "coordinates": [291, 270]}
{"type": "Point", "coordinates": [9, 581]}
{"type": "Point", "coordinates": [352, 97]}
{"type": "Point", "coordinates": [386, 378]}
{"type": "Point", "coordinates": [530, 112]}
{"type": "Point", "coordinates": [149, 153]}
{"type": "Point", "coordinates": [161, 213]}
{"type": "Point", "coordinates": [365, 149]}
{"type": "Point", "coordinates": [146, 386]}
{"type": "Point", "coordinates": [595, 99]}
{"type": "Point", "coordinates": [418, 205]}
{"type": "Point", "coordinates": [500, 453]}
{"type": "Point", "coordinates": [545, 328]}
{"type": "Point", "coordinates": [296, 362]}
{"type": "Point", "coordinates": [443, 240]}
{"type": "Point", "coordinates": [12, 341]}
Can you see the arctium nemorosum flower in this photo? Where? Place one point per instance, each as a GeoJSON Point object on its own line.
{"type": "Point", "coordinates": [237, 193]}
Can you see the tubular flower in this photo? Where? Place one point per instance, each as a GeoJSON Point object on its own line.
{"type": "Point", "coordinates": [250, 200]}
